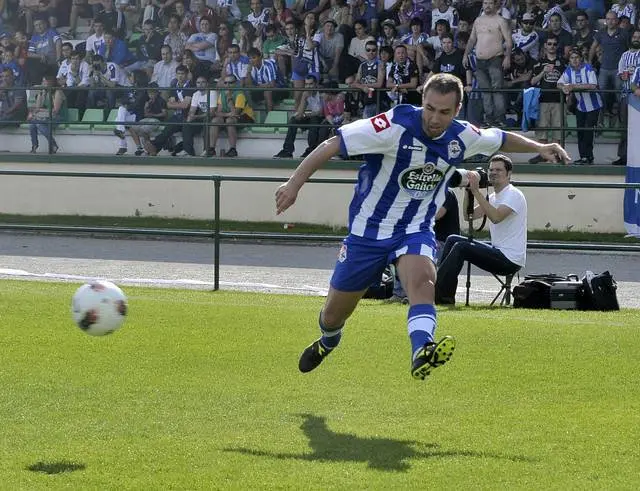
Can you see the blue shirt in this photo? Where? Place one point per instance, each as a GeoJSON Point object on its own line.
{"type": "Point", "coordinates": [586, 101]}
{"type": "Point", "coordinates": [405, 173]}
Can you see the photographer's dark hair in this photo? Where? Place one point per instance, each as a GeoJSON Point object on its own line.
{"type": "Point", "coordinates": [508, 163]}
{"type": "Point", "coordinates": [445, 83]}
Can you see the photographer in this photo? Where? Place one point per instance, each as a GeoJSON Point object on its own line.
{"type": "Point", "coordinates": [104, 75]}
{"type": "Point", "coordinates": [506, 210]}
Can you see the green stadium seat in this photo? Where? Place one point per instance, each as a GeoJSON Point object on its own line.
{"type": "Point", "coordinates": [113, 114]}
{"type": "Point", "coordinates": [273, 117]}
{"type": "Point", "coordinates": [90, 116]}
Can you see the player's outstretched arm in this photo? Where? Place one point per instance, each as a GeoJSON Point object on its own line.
{"type": "Point", "coordinates": [552, 152]}
{"type": "Point", "coordinates": [287, 193]}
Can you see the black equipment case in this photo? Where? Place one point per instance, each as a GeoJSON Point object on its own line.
{"type": "Point", "coordinates": [566, 295]}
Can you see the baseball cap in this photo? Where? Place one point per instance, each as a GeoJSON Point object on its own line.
{"type": "Point", "coordinates": [389, 22]}
{"type": "Point", "coordinates": [528, 16]}
{"type": "Point", "coordinates": [332, 22]}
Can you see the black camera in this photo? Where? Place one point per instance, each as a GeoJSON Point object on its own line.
{"type": "Point", "coordinates": [484, 178]}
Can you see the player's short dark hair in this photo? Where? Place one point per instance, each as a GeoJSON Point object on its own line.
{"type": "Point", "coordinates": [443, 22]}
{"type": "Point", "coordinates": [253, 52]}
{"type": "Point", "coordinates": [581, 13]}
{"type": "Point", "coordinates": [508, 163]}
{"type": "Point", "coordinates": [446, 35]}
{"type": "Point", "coordinates": [182, 68]}
{"type": "Point", "coordinates": [444, 83]}
{"type": "Point", "coordinates": [371, 42]}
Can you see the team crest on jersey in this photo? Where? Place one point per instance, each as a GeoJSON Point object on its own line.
{"type": "Point", "coordinates": [380, 122]}
{"type": "Point", "coordinates": [342, 255]}
{"type": "Point", "coordinates": [420, 182]}
{"type": "Point", "coordinates": [454, 149]}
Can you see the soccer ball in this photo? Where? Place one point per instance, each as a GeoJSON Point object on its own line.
{"type": "Point", "coordinates": [99, 308]}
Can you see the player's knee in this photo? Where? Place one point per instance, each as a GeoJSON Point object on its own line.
{"type": "Point", "coordinates": [331, 319]}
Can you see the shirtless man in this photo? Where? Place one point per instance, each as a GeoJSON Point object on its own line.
{"type": "Point", "coordinates": [491, 38]}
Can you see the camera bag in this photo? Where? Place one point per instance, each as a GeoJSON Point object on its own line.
{"type": "Point", "coordinates": [566, 295]}
{"type": "Point", "coordinates": [534, 292]}
{"type": "Point", "coordinates": [600, 292]}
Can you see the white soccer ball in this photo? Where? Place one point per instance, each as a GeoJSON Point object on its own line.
{"type": "Point", "coordinates": [99, 308]}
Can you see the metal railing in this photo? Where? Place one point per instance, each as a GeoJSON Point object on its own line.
{"type": "Point", "coordinates": [207, 123]}
{"type": "Point", "coordinates": [217, 235]}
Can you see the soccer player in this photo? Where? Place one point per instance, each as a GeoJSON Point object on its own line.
{"type": "Point", "coordinates": [411, 154]}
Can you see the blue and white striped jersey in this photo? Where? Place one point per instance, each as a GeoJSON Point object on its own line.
{"type": "Point", "coordinates": [529, 43]}
{"type": "Point", "coordinates": [405, 173]}
{"type": "Point", "coordinates": [628, 63]}
{"type": "Point", "coordinates": [586, 101]}
{"type": "Point", "coordinates": [267, 73]}
{"type": "Point", "coordinates": [627, 10]}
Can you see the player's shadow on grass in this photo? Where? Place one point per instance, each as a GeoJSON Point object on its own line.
{"type": "Point", "coordinates": [56, 467]}
{"type": "Point", "coordinates": [380, 453]}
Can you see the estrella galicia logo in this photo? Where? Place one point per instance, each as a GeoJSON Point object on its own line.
{"type": "Point", "coordinates": [420, 182]}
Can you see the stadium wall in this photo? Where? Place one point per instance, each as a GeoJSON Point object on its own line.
{"type": "Point", "coordinates": [575, 209]}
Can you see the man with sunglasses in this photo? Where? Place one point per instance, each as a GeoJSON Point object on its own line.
{"type": "Point", "coordinates": [370, 76]}
{"type": "Point", "coordinates": [526, 38]}
{"type": "Point", "coordinates": [546, 74]}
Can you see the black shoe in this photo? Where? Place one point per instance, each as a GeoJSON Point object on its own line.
{"type": "Point", "coordinates": [620, 161]}
{"type": "Point", "coordinates": [283, 154]}
{"type": "Point", "coordinates": [231, 152]}
{"type": "Point", "coordinates": [306, 153]}
{"type": "Point", "coordinates": [432, 356]}
{"type": "Point", "coordinates": [138, 152]}
{"type": "Point", "coordinates": [537, 159]}
{"type": "Point", "coordinates": [580, 161]}
{"type": "Point", "coordinates": [121, 151]}
{"type": "Point", "coordinates": [313, 356]}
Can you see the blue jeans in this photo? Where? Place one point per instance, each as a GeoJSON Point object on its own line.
{"type": "Point", "coordinates": [42, 127]}
{"type": "Point", "coordinates": [490, 76]}
{"type": "Point", "coordinates": [458, 249]}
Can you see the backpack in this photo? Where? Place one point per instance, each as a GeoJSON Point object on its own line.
{"type": "Point", "coordinates": [599, 292]}
{"type": "Point", "coordinates": [534, 292]}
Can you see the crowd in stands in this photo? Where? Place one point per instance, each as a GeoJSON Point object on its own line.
{"type": "Point", "coordinates": [179, 64]}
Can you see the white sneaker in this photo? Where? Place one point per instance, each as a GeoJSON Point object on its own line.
{"type": "Point", "coordinates": [182, 153]}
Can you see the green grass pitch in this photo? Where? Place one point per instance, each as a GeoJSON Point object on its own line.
{"type": "Point", "coordinates": [200, 390]}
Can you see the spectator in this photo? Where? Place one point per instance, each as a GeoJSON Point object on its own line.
{"type": "Point", "coordinates": [307, 57]}
{"type": "Point", "coordinates": [614, 42]}
{"type": "Point", "coordinates": [565, 39]}
{"type": "Point", "coordinates": [200, 111]}
{"type": "Point", "coordinates": [233, 108]}
{"type": "Point", "coordinates": [247, 37]}
{"type": "Point", "coordinates": [506, 210]}
{"type": "Point", "coordinates": [147, 49]}
{"type": "Point", "coordinates": [154, 112]}
{"type": "Point", "coordinates": [302, 8]}
{"type": "Point", "coordinates": [409, 10]}
{"type": "Point", "coordinates": [49, 110]}
{"type": "Point", "coordinates": [339, 13]}
{"type": "Point", "coordinates": [236, 65]}
{"type": "Point", "coordinates": [531, 7]}
{"type": "Point", "coordinates": [265, 75]}
{"type": "Point", "coordinates": [196, 69]}
{"type": "Point", "coordinates": [122, 8]}
{"type": "Point", "coordinates": [29, 9]}
{"type": "Point", "coordinates": [579, 76]}
{"type": "Point", "coordinates": [104, 75]}
{"type": "Point", "coordinates": [370, 77]}
{"type": "Point", "coordinates": [179, 102]}
{"type": "Point", "coordinates": [77, 76]}
{"type": "Point", "coordinates": [225, 40]}
{"type": "Point", "coordinates": [546, 74]}
{"type": "Point", "coordinates": [116, 50]}
{"type": "Point", "coordinates": [627, 65]}
{"type": "Point", "coordinates": [413, 40]}
{"type": "Point", "coordinates": [165, 70]}
{"type": "Point", "coordinates": [109, 16]}
{"type": "Point", "coordinates": [280, 15]}
{"type": "Point", "coordinates": [491, 39]}
{"type": "Point", "coordinates": [526, 38]}
{"type": "Point", "coordinates": [518, 78]}
{"type": "Point", "coordinates": [593, 8]}
{"type": "Point", "coordinates": [175, 38]}
{"type": "Point", "coordinates": [45, 49]}
{"type": "Point", "coordinates": [13, 101]}
{"type": "Point", "coordinates": [551, 10]}
{"type": "Point", "coordinates": [201, 10]}
{"type": "Point", "coordinates": [258, 17]}
{"type": "Point", "coordinates": [131, 108]}
{"type": "Point", "coordinates": [95, 42]}
{"type": "Point", "coordinates": [403, 78]}
{"type": "Point", "coordinates": [63, 66]}
{"type": "Point", "coordinates": [150, 11]}
{"type": "Point", "coordinates": [332, 110]}
{"type": "Point", "coordinates": [8, 61]}
{"type": "Point", "coordinates": [357, 46]}
{"type": "Point", "coordinates": [450, 61]}
{"type": "Point", "coordinates": [389, 36]}
{"type": "Point", "coordinates": [309, 111]}
{"type": "Point", "coordinates": [442, 10]}
{"type": "Point", "coordinates": [22, 49]}
{"type": "Point", "coordinates": [583, 38]}
{"type": "Point", "coordinates": [442, 28]}
{"type": "Point", "coordinates": [624, 8]}
{"type": "Point", "coordinates": [330, 46]}
{"type": "Point", "coordinates": [361, 10]}
{"type": "Point", "coordinates": [203, 45]}
{"type": "Point", "coordinates": [188, 25]}
{"type": "Point", "coordinates": [228, 11]}
{"type": "Point", "coordinates": [271, 43]}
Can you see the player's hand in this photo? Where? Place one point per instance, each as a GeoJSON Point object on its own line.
{"type": "Point", "coordinates": [286, 196]}
{"type": "Point", "coordinates": [553, 152]}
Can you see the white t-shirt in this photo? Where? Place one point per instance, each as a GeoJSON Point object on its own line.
{"type": "Point", "coordinates": [510, 235]}
{"type": "Point", "coordinates": [199, 99]}
{"type": "Point", "coordinates": [94, 43]}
